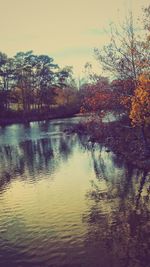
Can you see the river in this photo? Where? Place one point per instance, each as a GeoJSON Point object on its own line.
{"type": "Point", "coordinates": [67, 203]}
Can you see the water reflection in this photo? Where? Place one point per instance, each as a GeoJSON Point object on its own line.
{"type": "Point", "coordinates": [33, 157]}
{"type": "Point", "coordinates": [67, 202]}
{"type": "Point", "coordinates": [118, 216]}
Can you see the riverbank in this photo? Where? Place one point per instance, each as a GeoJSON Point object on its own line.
{"type": "Point", "coordinates": [119, 137]}
{"type": "Point", "coordinates": [11, 117]}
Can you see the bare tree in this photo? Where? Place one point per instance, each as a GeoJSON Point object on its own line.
{"type": "Point", "coordinates": [125, 56]}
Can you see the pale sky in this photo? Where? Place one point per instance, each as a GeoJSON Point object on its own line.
{"type": "Point", "coordinates": [67, 30]}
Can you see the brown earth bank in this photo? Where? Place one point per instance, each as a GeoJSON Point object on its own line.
{"type": "Point", "coordinates": [119, 137]}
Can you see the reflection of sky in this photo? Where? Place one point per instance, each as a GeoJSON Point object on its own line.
{"type": "Point", "coordinates": [16, 133]}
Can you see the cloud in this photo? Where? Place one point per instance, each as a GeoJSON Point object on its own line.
{"type": "Point", "coordinates": [73, 52]}
{"type": "Point", "coordinates": [97, 31]}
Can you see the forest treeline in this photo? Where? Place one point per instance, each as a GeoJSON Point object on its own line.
{"type": "Point", "coordinates": [32, 85]}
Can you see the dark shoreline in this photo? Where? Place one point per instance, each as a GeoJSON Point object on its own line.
{"type": "Point", "coordinates": [7, 122]}
{"type": "Point", "coordinates": [31, 117]}
{"type": "Point", "coordinates": [119, 137]}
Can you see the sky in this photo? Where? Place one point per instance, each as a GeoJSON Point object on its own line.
{"type": "Point", "coordinates": [67, 30]}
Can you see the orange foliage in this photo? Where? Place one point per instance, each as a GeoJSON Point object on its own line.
{"type": "Point", "coordinates": [140, 103]}
{"type": "Point", "coordinates": [96, 100]}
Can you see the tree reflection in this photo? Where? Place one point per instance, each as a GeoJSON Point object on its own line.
{"type": "Point", "coordinates": [118, 213]}
{"type": "Point", "coordinates": [32, 158]}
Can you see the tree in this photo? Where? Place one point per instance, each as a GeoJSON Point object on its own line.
{"type": "Point", "coordinates": [97, 97]}
{"type": "Point", "coordinates": [140, 108]}
{"type": "Point", "coordinates": [3, 76]}
{"type": "Point", "coordinates": [140, 103]}
{"type": "Point", "coordinates": [36, 78]}
{"type": "Point", "coordinates": [23, 77]}
{"type": "Point", "coordinates": [45, 77]}
{"type": "Point", "coordinates": [67, 93]}
{"type": "Point", "coordinates": [6, 77]}
{"type": "Point", "coordinates": [125, 56]}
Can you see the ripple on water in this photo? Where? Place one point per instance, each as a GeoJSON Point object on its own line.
{"type": "Point", "coordinates": [63, 204]}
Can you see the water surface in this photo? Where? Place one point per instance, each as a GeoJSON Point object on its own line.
{"type": "Point", "coordinates": [65, 202]}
